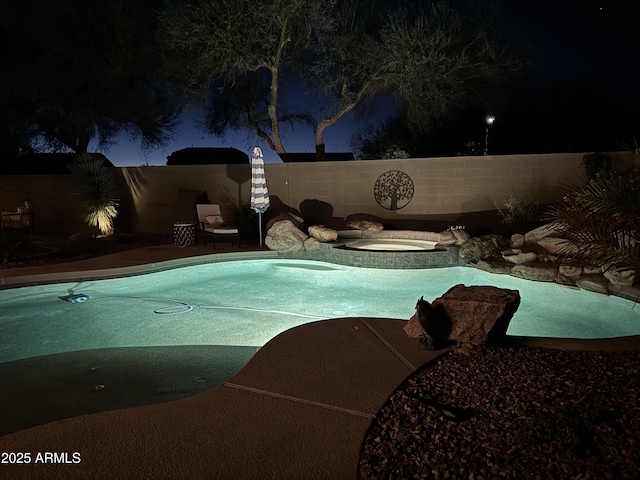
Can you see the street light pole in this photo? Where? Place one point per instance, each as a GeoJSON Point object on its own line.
{"type": "Point", "coordinates": [488, 121]}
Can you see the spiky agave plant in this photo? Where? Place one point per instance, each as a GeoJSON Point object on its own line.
{"type": "Point", "coordinates": [601, 221]}
{"type": "Point", "coordinates": [95, 187]}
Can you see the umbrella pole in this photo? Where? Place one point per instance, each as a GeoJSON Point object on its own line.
{"type": "Point", "coordinates": [260, 227]}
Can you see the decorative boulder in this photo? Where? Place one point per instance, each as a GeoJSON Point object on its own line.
{"type": "Point", "coordinates": [296, 220]}
{"type": "Point", "coordinates": [517, 240]}
{"type": "Point", "coordinates": [367, 226]}
{"type": "Point", "coordinates": [447, 237]}
{"type": "Point", "coordinates": [539, 233]}
{"type": "Point", "coordinates": [432, 329]}
{"type": "Point", "coordinates": [517, 256]}
{"type": "Point", "coordinates": [322, 233]}
{"type": "Point", "coordinates": [537, 272]}
{"type": "Point", "coordinates": [462, 236]}
{"type": "Point", "coordinates": [284, 237]}
{"type": "Point", "coordinates": [311, 244]}
{"type": "Point", "coordinates": [414, 327]}
{"type": "Point", "coordinates": [593, 283]}
{"type": "Point", "coordinates": [570, 270]}
{"type": "Point", "coordinates": [498, 266]}
{"type": "Point", "coordinates": [478, 315]}
{"type": "Point", "coordinates": [591, 270]}
{"type": "Point", "coordinates": [557, 245]}
{"type": "Point", "coordinates": [562, 279]}
{"type": "Point", "coordinates": [620, 278]}
{"type": "Point", "coordinates": [474, 315]}
{"type": "Point", "coordinates": [483, 247]}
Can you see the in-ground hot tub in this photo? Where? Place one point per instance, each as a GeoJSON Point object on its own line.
{"type": "Point", "coordinates": [402, 249]}
{"type": "Point", "coordinates": [392, 245]}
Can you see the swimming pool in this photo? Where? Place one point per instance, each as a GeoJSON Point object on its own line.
{"type": "Point", "coordinates": [248, 302]}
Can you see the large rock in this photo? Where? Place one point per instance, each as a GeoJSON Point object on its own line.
{"type": "Point", "coordinates": [447, 237]}
{"type": "Point", "coordinates": [570, 270]}
{"type": "Point", "coordinates": [593, 283]}
{"type": "Point", "coordinates": [537, 234]}
{"type": "Point", "coordinates": [495, 265]}
{"type": "Point", "coordinates": [284, 237]}
{"type": "Point", "coordinates": [483, 247]}
{"type": "Point", "coordinates": [311, 244]}
{"type": "Point", "coordinates": [462, 236]}
{"type": "Point", "coordinates": [473, 315]}
{"type": "Point", "coordinates": [591, 270]}
{"type": "Point", "coordinates": [427, 325]}
{"type": "Point", "coordinates": [454, 236]}
{"type": "Point", "coordinates": [557, 245]}
{"type": "Point", "coordinates": [517, 256]}
{"type": "Point", "coordinates": [322, 233]}
{"type": "Point", "coordinates": [537, 272]}
{"type": "Point", "coordinates": [413, 327]}
{"type": "Point", "coordinates": [620, 278]}
{"type": "Point", "coordinates": [562, 279]}
{"type": "Point", "coordinates": [478, 315]}
{"type": "Point", "coordinates": [517, 240]}
{"type": "Point", "coordinates": [296, 220]}
{"type": "Point", "coordinates": [367, 226]}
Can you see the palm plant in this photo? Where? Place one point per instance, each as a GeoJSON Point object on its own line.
{"type": "Point", "coordinates": [601, 221]}
{"type": "Point", "coordinates": [95, 187]}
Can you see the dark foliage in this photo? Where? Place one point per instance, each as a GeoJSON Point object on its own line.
{"type": "Point", "coordinates": [601, 221]}
{"type": "Point", "coordinates": [79, 71]}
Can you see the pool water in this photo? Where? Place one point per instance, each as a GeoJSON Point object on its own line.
{"type": "Point", "coordinates": [246, 303]}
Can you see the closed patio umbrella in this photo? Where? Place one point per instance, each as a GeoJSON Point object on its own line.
{"type": "Point", "coordinates": [259, 193]}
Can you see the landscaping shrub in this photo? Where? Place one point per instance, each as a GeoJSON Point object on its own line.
{"type": "Point", "coordinates": [518, 212]}
{"type": "Point", "coordinates": [95, 187]}
{"type": "Point", "coordinates": [602, 221]}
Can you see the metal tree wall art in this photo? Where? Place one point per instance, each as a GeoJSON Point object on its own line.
{"type": "Point", "coordinates": [393, 190]}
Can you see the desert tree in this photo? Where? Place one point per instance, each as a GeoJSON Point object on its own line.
{"type": "Point", "coordinates": [232, 54]}
{"type": "Point", "coordinates": [235, 53]}
{"type": "Point", "coordinates": [430, 60]}
{"type": "Point", "coordinates": [388, 139]}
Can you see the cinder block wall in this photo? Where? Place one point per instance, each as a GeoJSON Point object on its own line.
{"type": "Point", "coordinates": [56, 208]}
{"type": "Point", "coordinates": [441, 185]}
{"type": "Point", "coordinates": [325, 192]}
{"type": "Point", "coordinates": [160, 196]}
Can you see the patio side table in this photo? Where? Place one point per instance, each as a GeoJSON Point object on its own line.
{"type": "Point", "coordinates": [184, 234]}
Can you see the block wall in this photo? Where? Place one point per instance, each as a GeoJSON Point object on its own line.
{"type": "Point", "coordinates": [155, 197]}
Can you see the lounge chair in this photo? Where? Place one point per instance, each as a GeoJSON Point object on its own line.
{"type": "Point", "coordinates": [211, 222]}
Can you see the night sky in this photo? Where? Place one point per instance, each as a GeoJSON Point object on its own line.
{"type": "Point", "coordinates": [584, 39]}
{"type": "Point", "coordinates": [572, 40]}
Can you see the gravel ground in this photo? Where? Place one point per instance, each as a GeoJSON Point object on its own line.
{"type": "Point", "coordinates": [519, 413]}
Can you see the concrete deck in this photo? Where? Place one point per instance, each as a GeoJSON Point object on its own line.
{"type": "Point", "coordinates": [298, 410]}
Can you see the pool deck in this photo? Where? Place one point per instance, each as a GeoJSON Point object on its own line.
{"type": "Point", "coordinates": [298, 410]}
